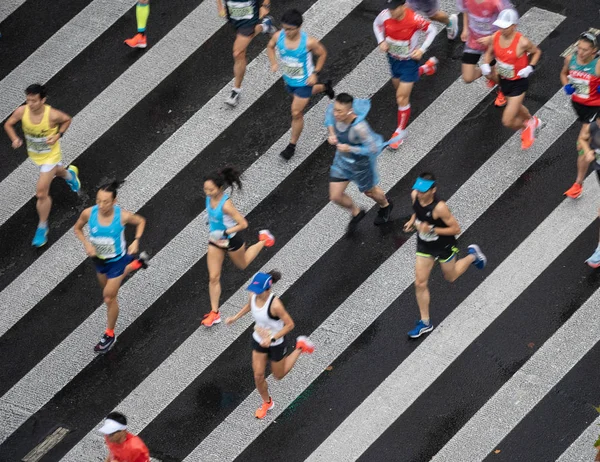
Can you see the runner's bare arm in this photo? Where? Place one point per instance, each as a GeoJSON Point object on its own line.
{"type": "Point", "coordinates": [442, 212]}
{"type": "Point", "coordinates": [489, 53]}
{"type": "Point", "coordinates": [78, 228]}
{"type": "Point", "coordinates": [318, 49]}
{"type": "Point", "coordinates": [62, 120]}
{"type": "Point", "coordinates": [278, 310]}
{"type": "Point", "coordinates": [243, 312]}
{"type": "Point", "coordinates": [15, 117]}
{"type": "Point", "coordinates": [564, 72]}
{"type": "Point", "coordinates": [230, 210]}
{"type": "Point", "coordinates": [409, 225]}
{"type": "Point", "coordinates": [532, 49]}
{"type": "Point", "coordinates": [271, 51]}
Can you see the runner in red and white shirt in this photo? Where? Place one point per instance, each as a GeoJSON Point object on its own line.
{"type": "Point", "coordinates": [478, 23]}
{"type": "Point", "coordinates": [397, 31]}
{"type": "Point", "coordinates": [516, 58]}
{"type": "Point", "coordinates": [122, 445]}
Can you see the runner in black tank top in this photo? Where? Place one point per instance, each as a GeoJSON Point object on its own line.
{"type": "Point", "coordinates": [436, 240]}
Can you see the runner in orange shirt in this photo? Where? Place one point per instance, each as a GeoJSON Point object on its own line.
{"type": "Point", "coordinates": [122, 445]}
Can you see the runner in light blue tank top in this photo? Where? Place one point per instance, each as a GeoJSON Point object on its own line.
{"type": "Point", "coordinates": [106, 246]}
{"type": "Point", "coordinates": [109, 241]}
{"type": "Point", "coordinates": [295, 49]}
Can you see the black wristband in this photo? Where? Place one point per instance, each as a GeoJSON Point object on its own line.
{"type": "Point", "coordinates": [533, 66]}
{"type": "Point", "coordinates": [60, 134]}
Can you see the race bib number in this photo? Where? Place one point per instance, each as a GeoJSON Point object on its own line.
{"type": "Point", "coordinates": [240, 10]}
{"type": "Point", "coordinates": [506, 71]}
{"type": "Point", "coordinates": [105, 247]}
{"type": "Point", "coordinates": [218, 238]}
{"type": "Point", "coordinates": [427, 237]}
{"type": "Point", "coordinates": [37, 145]}
{"type": "Point", "coordinates": [582, 87]}
{"type": "Point", "coordinates": [293, 69]}
{"type": "Point", "coordinates": [399, 48]}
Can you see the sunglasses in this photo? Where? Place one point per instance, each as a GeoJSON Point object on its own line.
{"type": "Point", "coordinates": [591, 37]}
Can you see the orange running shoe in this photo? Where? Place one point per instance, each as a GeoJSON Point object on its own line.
{"type": "Point", "coordinates": [430, 66]}
{"type": "Point", "coordinates": [137, 41]}
{"type": "Point", "coordinates": [528, 134]}
{"type": "Point", "coordinates": [575, 191]}
{"type": "Point", "coordinates": [490, 83]}
{"type": "Point", "coordinates": [261, 412]}
{"type": "Point", "coordinates": [397, 144]}
{"type": "Point", "coordinates": [500, 99]}
{"type": "Point", "coordinates": [304, 344]}
{"type": "Point", "coordinates": [265, 235]}
{"type": "Point", "coordinates": [211, 318]}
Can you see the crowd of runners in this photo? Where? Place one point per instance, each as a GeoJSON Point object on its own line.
{"type": "Point", "coordinates": [494, 51]}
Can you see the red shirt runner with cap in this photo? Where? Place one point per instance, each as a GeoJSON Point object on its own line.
{"type": "Point", "coordinates": [132, 449]}
{"type": "Point", "coordinates": [508, 64]}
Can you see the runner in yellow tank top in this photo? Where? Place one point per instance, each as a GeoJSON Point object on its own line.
{"type": "Point", "coordinates": [43, 127]}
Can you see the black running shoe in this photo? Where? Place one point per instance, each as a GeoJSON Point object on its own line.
{"type": "Point", "coordinates": [355, 220]}
{"type": "Point", "coordinates": [288, 152]}
{"type": "Point", "coordinates": [384, 214]}
{"type": "Point", "coordinates": [329, 89]}
{"type": "Point", "coordinates": [105, 344]}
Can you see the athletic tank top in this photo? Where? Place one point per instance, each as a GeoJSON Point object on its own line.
{"type": "Point", "coordinates": [425, 214]}
{"type": "Point", "coordinates": [585, 80]}
{"type": "Point", "coordinates": [109, 241]}
{"type": "Point", "coordinates": [217, 220]}
{"type": "Point", "coordinates": [297, 65]}
{"type": "Point", "coordinates": [265, 320]}
{"type": "Point", "coordinates": [508, 64]}
{"type": "Point", "coordinates": [35, 138]}
{"type": "Point", "coordinates": [242, 12]}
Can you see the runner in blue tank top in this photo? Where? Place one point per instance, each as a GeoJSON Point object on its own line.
{"type": "Point", "coordinates": [248, 21]}
{"type": "Point", "coordinates": [225, 224]}
{"type": "Point", "coordinates": [107, 247]}
{"type": "Point", "coordinates": [295, 49]}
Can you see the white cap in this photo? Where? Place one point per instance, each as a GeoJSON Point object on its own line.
{"type": "Point", "coordinates": [111, 426]}
{"type": "Point", "coordinates": [507, 18]}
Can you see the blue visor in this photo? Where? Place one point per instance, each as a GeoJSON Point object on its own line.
{"type": "Point", "coordinates": [260, 283]}
{"type": "Point", "coordinates": [423, 185]}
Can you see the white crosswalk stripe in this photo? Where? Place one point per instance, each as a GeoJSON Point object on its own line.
{"type": "Point", "coordinates": [367, 422]}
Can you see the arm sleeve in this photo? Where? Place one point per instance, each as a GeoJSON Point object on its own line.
{"type": "Point", "coordinates": [329, 119]}
{"type": "Point", "coordinates": [431, 32]}
{"type": "Point", "coordinates": [379, 27]}
{"type": "Point", "coordinates": [368, 143]}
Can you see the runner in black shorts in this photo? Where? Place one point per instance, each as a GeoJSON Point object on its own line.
{"type": "Point", "coordinates": [272, 324]}
{"type": "Point", "coordinates": [590, 143]}
{"type": "Point", "coordinates": [245, 16]}
{"type": "Point", "coordinates": [225, 224]}
{"type": "Point", "coordinates": [436, 240]}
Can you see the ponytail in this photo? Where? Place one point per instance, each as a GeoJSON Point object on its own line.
{"type": "Point", "coordinates": [112, 187]}
{"type": "Point", "coordinates": [229, 176]}
{"type": "Point", "coordinates": [275, 275]}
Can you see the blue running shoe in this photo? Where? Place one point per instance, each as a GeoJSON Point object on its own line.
{"type": "Point", "coordinates": [480, 258]}
{"type": "Point", "coordinates": [594, 260]}
{"type": "Point", "coordinates": [74, 182]}
{"type": "Point", "coordinates": [40, 238]}
{"type": "Point", "coordinates": [268, 26]}
{"type": "Point", "coordinates": [420, 329]}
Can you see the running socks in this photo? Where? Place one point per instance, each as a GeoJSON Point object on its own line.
{"type": "Point", "coordinates": [403, 116]}
{"type": "Point", "coordinates": [142, 11]}
{"type": "Point", "coordinates": [110, 332]}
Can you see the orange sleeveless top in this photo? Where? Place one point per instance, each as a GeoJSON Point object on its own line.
{"type": "Point", "coordinates": [508, 64]}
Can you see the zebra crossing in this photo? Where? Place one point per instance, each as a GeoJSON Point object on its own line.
{"type": "Point", "coordinates": [165, 372]}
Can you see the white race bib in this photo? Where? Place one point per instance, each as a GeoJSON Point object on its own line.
{"type": "Point", "coordinates": [399, 48]}
{"type": "Point", "coordinates": [505, 70]}
{"type": "Point", "coordinates": [240, 10]}
{"type": "Point", "coordinates": [105, 247]}
{"type": "Point", "coordinates": [37, 145]}
{"type": "Point", "coordinates": [293, 68]}
{"type": "Point", "coordinates": [427, 237]}
{"type": "Point", "coordinates": [582, 87]}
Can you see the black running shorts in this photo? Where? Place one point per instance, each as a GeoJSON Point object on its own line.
{"type": "Point", "coordinates": [275, 353]}
{"type": "Point", "coordinates": [514, 87]}
{"type": "Point", "coordinates": [585, 114]}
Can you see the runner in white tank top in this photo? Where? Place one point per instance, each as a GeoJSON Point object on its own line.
{"type": "Point", "coordinates": [272, 323]}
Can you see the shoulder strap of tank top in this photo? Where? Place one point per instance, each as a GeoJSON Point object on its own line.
{"type": "Point", "coordinates": [117, 214]}
{"type": "Point", "coordinates": [46, 116]}
{"type": "Point", "coordinates": [26, 114]}
{"type": "Point", "coordinates": [515, 42]}
{"type": "Point", "coordinates": [269, 303]}
{"type": "Point", "coordinates": [496, 39]}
